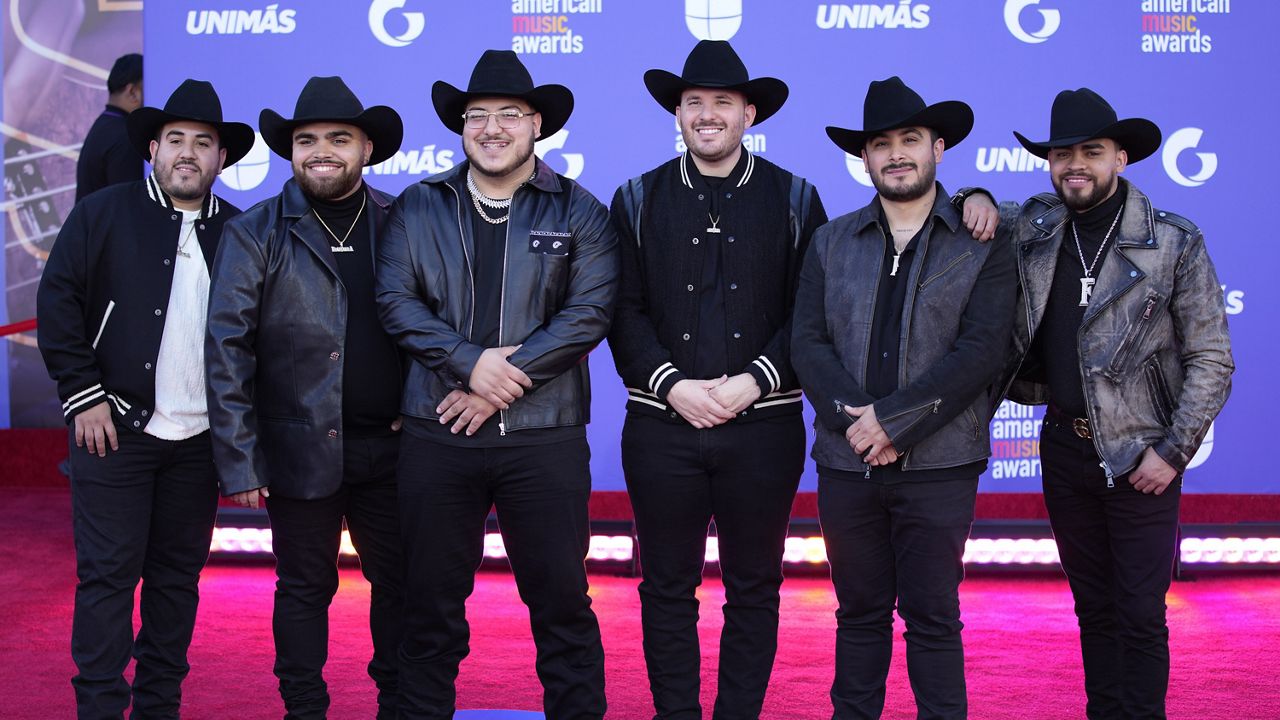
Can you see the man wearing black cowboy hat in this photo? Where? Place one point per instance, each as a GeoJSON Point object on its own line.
{"type": "Point", "coordinates": [897, 312]}
{"type": "Point", "coordinates": [498, 277]}
{"type": "Point", "coordinates": [711, 244]}
{"type": "Point", "coordinates": [1122, 330]}
{"type": "Point", "coordinates": [121, 308]}
{"type": "Point", "coordinates": [306, 383]}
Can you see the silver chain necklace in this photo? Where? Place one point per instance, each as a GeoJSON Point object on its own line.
{"type": "Point", "coordinates": [1087, 282]}
{"type": "Point", "coordinates": [480, 200]}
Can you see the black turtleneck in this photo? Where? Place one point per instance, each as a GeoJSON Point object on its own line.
{"type": "Point", "coordinates": [1056, 344]}
{"type": "Point", "coordinates": [371, 369]}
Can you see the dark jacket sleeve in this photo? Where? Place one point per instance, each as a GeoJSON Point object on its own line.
{"type": "Point", "coordinates": [406, 316]}
{"type": "Point", "coordinates": [65, 341]}
{"type": "Point", "coordinates": [231, 362]}
{"type": "Point", "coordinates": [583, 320]}
{"type": "Point", "coordinates": [968, 369]}
{"type": "Point", "coordinates": [641, 359]}
{"type": "Point", "coordinates": [813, 353]}
{"type": "Point", "coordinates": [1200, 321]}
{"type": "Point", "coordinates": [772, 370]}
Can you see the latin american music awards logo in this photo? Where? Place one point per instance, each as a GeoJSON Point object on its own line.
{"type": "Point", "coordinates": [1050, 20]}
{"type": "Point", "coordinates": [713, 19]}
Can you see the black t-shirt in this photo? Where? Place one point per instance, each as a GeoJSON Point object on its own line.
{"type": "Point", "coordinates": [1055, 344]}
{"type": "Point", "coordinates": [371, 367]}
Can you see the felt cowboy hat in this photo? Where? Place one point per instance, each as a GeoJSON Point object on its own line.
{"type": "Point", "coordinates": [714, 64]}
{"type": "Point", "coordinates": [499, 73]}
{"type": "Point", "coordinates": [891, 105]}
{"type": "Point", "coordinates": [1080, 115]}
{"type": "Point", "coordinates": [194, 100]}
{"type": "Point", "coordinates": [328, 99]}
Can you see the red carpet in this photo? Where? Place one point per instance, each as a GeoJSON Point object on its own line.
{"type": "Point", "coordinates": [1021, 639]}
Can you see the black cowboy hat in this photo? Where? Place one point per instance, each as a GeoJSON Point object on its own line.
{"type": "Point", "coordinates": [891, 105]}
{"type": "Point", "coordinates": [1080, 115]}
{"type": "Point", "coordinates": [499, 73]}
{"type": "Point", "coordinates": [194, 100]}
{"type": "Point", "coordinates": [328, 99]}
{"type": "Point", "coordinates": [714, 64]}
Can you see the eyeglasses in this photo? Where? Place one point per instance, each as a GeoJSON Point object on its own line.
{"type": "Point", "coordinates": [507, 119]}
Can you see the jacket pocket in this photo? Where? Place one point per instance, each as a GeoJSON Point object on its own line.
{"type": "Point", "coordinates": [950, 266]}
{"type": "Point", "coordinates": [1148, 313]}
{"type": "Point", "coordinates": [1161, 398]}
{"type": "Point", "coordinates": [111, 305]}
{"type": "Point", "coordinates": [973, 421]}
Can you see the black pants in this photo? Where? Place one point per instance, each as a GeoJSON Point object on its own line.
{"type": "Point", "coordinates": [144, 512]}
{"type": "Point", "coordinates": [540, 493]}
{"type": "Point", "coordinates": [1117, 547]}
{"type": "Point", "coordinates": [902, 543]}
{"type": "Point", "coordinates": [305, 537]}
{"type": "Point", "coordinates": [744, 475]}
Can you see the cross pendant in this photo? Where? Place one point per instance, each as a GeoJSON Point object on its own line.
{"type": "Point", "coordinates": [894, 270]}
{"type": "Point", "coordinates": [1086, 289]}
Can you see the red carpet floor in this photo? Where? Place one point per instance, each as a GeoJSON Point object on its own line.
{"type": "Point", "coordinates": [1020, 636]}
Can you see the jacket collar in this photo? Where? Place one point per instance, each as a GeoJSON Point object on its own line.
{"type": "Point", "coordinates": [942, 209]}
{"type": "Point", "coordinates": [544, 178]}
{"type": "Point", "coordinates": [740, 175]}
{"type": "Point", "coordinates": [1137, 221]}
{"type": "Point", "coordinates": [211, 206]}
{"type": "Point", "coordinates": [294, 202]}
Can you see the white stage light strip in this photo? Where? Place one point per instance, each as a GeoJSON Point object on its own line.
{"type": "Point", "coordinates": [812, 551]}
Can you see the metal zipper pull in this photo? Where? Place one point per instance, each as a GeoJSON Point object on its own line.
{"type": "Point", "coordinates": [1151, 305]}
{"type": "Point", "coordinates": [502, 429]}
{"type": "Point", "coordinates": [1111, 479]}
{"type": "Point", "coordinates": [868, 475]}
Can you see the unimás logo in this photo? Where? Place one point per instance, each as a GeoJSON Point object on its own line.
{"type": "Point", "coordinates": [856, 169]}
{"type": "Point", "coordinates": [252, 168]}
{"type": "Point", "coordinates": [574, 162]}
{"type": "Point", "coordinates": [1178, 143]}
{"type": "Point", "coordinates": [1008, 159]}
{"type": "Point", "coordinates": [425, 161]}
{"type": "Point", "coordinates": [380, 10]}
{"type": "Point", "coordinates": [713, 19]}
{"type": "Point", "coordinates": [270, 19]}
{"type": "Point", "coordinates": [1049, 19]}
{"type": "Point", "coordinates": [1206, 448]}
{"type": "Point", "coordinates": [891, 16]}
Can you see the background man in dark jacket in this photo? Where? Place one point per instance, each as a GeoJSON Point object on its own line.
{"type": "Point", "coordinates": [1122, 330]}
{"type": "Point", "coordinates": [711, 245]}
{"type": "Point", "coordinates": [898, 312]}
{"type": "Point", "coordinates": [497, 277]}
{"type": "Point", "coordinates": [121, 308]}
{"type": "Point", "coordinates": [106, 157]}
{"type": "Point", "coordinates": [305, 384]}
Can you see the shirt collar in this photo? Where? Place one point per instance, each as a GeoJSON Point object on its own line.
{"type": "Point", "coordinates": [740, 174]}
{"type": "Point", "coordinates": [210, 207]}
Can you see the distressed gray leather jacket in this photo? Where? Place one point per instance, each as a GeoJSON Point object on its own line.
{"type": "Point", "coordinates": [1155, 353]}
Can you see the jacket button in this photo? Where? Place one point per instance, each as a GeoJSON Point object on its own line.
{"type": "Point", "coordinates": [686, 336]}
{"type": "Point", "coordinates": [334, 356]}
{"type": "Point", "coordinates": [695, 241]}
{"type": "Point", "coordinates": [690, 288]}
{"type": "Point", "coordinates": [137, 424]}
{"type": "Point", "coordinates": [157, 312]}
{"type": "Point", "coordinates": [737, 336]}
{"type": "Point", "coordinates": [728, 195]}
{"type": "Point", "coordinates": [167, 261]}
{"type": "Point", "coordinates": [675, 415]}
{"type": "Point", "coordinates": [733, 286]}
{"type": "Point", "coordinates": [145, 413]}
{"type": "Point", "coordinates": [333, 433]}
{"type": "Point", "coordinates": [701, 196]}
{"type": "Point", "coordinates": [147, 366]}
{"type": "Point", "coordinates": [173, 217]}
{"type": "Point", "coordinates": [1151, 241]}
{"type": "Point", "coordinates": [1133, 273]}
{"type": "Point", "coordinates": [1161, 214]}
{"type": "Point", "coordinates": [730, 238]}
{"type": "Point", "coordinates": [201, 226]}
{"type": "Point", "coordinates": [1039, 221]}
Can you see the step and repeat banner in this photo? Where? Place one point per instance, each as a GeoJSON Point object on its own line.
{"type": "Point", "coordinates": [1202, 70]}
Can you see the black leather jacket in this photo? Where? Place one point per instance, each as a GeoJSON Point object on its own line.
{"type": "Point", "coordinates": [557, 297]}
{"type": "Point", "coordinates": [273, 352]}
{"type": "Point", "coordinates": [1155, 353]}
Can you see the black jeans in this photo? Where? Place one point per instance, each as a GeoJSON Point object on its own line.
{"type": "Point", "coordinates": [305, 537]}
{"type": "Point", "coordinates": [1117, 547]}
{"type": "Point", "coordinates": [900, 543]}
{"type": "Point", "coordinates": [144, 512]}
{"type": "Point", "coordinates": [744, 475]}
{"type": "Point", "coordinates": [540, 493]}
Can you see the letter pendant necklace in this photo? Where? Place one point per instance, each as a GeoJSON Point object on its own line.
{"type": "Point", "coordinates": [1087, 282]}
{"type": "Point", "coordinates": [183, 243]}
{"type": "Point", "coordinates": [715, 222]}
{"type": "Point", "coordinates": [342, 246]}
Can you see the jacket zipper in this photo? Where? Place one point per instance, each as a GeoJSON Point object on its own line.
{"type": "Point", "coordinates": [502, 299]}
{"type": "Point", "coordinates": [1131, 343]}
{"type": "Point", "coordinates": [1088, 404]}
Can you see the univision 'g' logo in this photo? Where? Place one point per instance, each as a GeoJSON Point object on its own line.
{"type": "Point", "coordinates": [857, 170]}
{"type": "Point", "coordinates": [713, 19]}
{"type": "Point", "coordinates": [1013, 11]}
{"type": "Point", "coordinates": [252, 168]}
{"type": "Point", "coordinates": [1206, 447]}
{"type": "Point", "coordinates": [378, 11]}
{"type": "Point", "coordinates": [1175, 145]}
{"type": "Point", "coordinates": [574, 162]}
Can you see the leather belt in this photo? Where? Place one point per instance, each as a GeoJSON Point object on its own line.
{"type": "Point", "coordinates": [1078, 425]}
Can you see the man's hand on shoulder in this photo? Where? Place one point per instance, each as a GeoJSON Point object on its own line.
{"type": "Point", "coordinates": [981, 216]}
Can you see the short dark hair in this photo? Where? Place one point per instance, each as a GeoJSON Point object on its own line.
{"type": "Point", "coordinates": [127, 69]}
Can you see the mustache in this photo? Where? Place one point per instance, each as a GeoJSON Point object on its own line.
{"type": "Point", "coordinates": [899, 166]}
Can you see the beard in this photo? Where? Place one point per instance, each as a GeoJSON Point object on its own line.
{"type": "Point", "coordinates": [331, 187]}
{"type": "Point", "coordinates": [1082, 200]}
{"type": "Point", "coordinates": [186, 189]}
{"type": "Point", "coordinates": [727, 142]}
{"type": "Point", "coordinates": [905, 193]}
{"type": "Point", "coordinates": [485, 166]}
